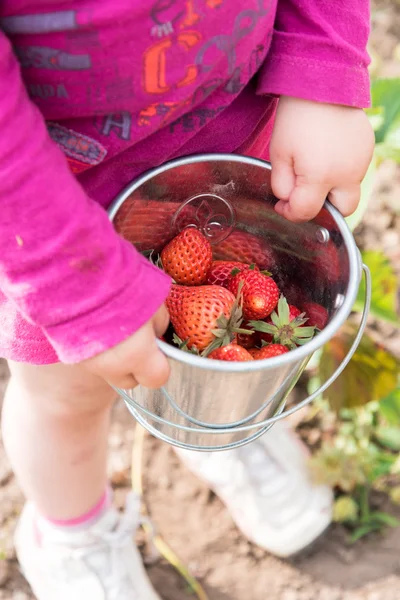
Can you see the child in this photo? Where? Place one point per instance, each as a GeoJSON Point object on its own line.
{"type": "Point", "coordinates": [93, 93]}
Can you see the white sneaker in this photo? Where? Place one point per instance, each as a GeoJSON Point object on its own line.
{"type": "Point", "coordinates": [98, 563]}
{"type": "Point", "coordinates": [266, 487]}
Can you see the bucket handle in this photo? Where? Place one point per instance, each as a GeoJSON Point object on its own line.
{"type": "Point", "coordinates": [282, 415]}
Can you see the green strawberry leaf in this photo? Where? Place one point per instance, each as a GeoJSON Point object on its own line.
{"type": "Point", "coordinates": [388, 437]}
{"type": "Point", "coordinates": [371, 375]}
{"type": "Point", "coordinates": [363, 530]}
{"type": "Point", "coordinates": [384, 288]}
{"type": "Point", "coordinates": [389, 407]}
{"type": "Point", "coordinates": [384, 519]}
{"type": "Point", "coordinates": [366, 190]}
{"type": "Point", "coordinates": [386, 95]}
{"type": "Point", "coordinates": [376, 116]}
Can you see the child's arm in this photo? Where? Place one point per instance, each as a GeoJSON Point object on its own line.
{"type": "Point", "coordinates": [60, 260]}
{"type": "Point", "coordinates": [322, 142]}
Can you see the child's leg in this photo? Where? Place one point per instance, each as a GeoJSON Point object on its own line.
{"type": "Point", "coordinates": [55, 424]}
{"type": "Point", "coordinates": [70, 542]}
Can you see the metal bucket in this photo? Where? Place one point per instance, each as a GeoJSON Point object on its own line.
{"type": "Point", "coordinates": [214, 405]}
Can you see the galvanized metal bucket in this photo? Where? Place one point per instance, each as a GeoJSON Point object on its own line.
{"type": "Point", "coordinates": [214, 405]}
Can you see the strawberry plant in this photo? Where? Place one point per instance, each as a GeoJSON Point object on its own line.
{"type": "Point", "coordinates": [358, 452]}
{"type": "Point", "coordinates": [361, 411]}
{"type": "Point", "coordinates": [384, 116]}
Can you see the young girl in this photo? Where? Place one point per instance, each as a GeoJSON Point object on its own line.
{"type": "Point", "coordinates": [93, 93]}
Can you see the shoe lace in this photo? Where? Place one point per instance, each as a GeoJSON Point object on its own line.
{"type": "Point", "coordinates": [116, 584]}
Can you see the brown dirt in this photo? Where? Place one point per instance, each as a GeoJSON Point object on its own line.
{"type": "Point", "coordinates": [198, 527]}
{"type": "Point", "coordinates": [194, 522]}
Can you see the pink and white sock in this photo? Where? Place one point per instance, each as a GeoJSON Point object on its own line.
{"type": "Point", "coordinates": [44, 525]}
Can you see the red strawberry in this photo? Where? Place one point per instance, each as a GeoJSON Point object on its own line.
{"type": "Point", "coordinates": [231, 352]}
{"type": "Point", "coordinates": [247, 340]}
{"type": "Point", "coordinates": [317, 315]}
{"type": "Point", "coordinates": [188, 257]}
{"type": "Point", "coordinates": [283, 329]}
{"type": "Point", "coordinates": [204, 315]}
{"type": "Point", "coordinates": [184, 181]}
{"type": "Point", "coordinates": [270, 351]}
{"type": "Point", "coordinates": [267, 337]}
{"type": "Point", "coordinates": [145, 223]}
{"type": "Point", "coordinates": [259, 292]}
{"type": "Point", "coordinates": [326, 264]}
{"type": "Point", "coordinates": [253, 351]}
{"type": "Point", "coordinates": [247, 248]}
{"type": "Point", "coordinates": [221, 271]}
{"type": "Point", "coordinates": [293, 293]}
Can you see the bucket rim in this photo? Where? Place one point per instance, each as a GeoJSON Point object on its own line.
{"type": "Point", "coordinates": [300, 353]}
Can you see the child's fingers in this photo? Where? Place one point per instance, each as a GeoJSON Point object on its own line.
{"type": "Point", "coordinates": [151, 367]}
{"type": "Point", "coordinates": [346, 199]}
{"type": "Point", "coordinates": [161, 321]}
{"type": "Point", "coordinates": [305, 202]}
{"type": "Point", "coordinates": [283, 179]}
{"type": "Point", "coordinates": [137, 360]}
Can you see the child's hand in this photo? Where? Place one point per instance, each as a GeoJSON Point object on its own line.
{"type": "Point", "coordinates": [318, 151]}
{"type": "Point", "coordinates": [137, 360]}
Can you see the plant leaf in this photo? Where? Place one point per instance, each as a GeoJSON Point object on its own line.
{"type": "Point", "coordinates": [389, 407]}
{"type": "Point", "coordinates": [388, 437]}
{"type": "Point", "coordinates": [376, 116]}
{"type": "Point", "coordinates": [384, 518]}
{"type": "Point", "coordinates": [362, 531]}
{"type": "Point", "coordinates": [283, 309]}
{"type": "Point", "coordinates": [386, 95]}
{"type": "Point", "coordinates": [366, 190]}
{"type": "Point", "coordinates": [371, 375]}
{"type": "Point", "coordinates": [384, 288]}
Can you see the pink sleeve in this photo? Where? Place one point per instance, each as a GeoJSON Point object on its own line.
{"type": "Point", "coordinates": [319, 52]}
{"type": "Point", "coordinates": [60, 260]}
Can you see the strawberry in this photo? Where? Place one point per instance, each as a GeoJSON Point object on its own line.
{"type": "Point", "coordinates": [253, 352]}
{"type": "Point", "coordinates": [284, 330]}
{"type": "Point", "coordinates": [145, 223]}
{"type": "Point", "coordinates": [326, 264]}
{"type": "Point", "coordinates": [221, 271]}
{"type": "Point", "coordinates": [270, 351]}
{"type": "Point", "coordinates": [183, 181]}
{"type": "Point", "coordinates": [259, 292]}
{"type": "Point", "coordinates": [246, 248]}
{"type": "Point", "coordinates": [188, 257]}
{"type": "Point", "coordinates": [293, 313]}
{"type": "Point", "coordinates": [293, 293]}
{"type": "Point", "coordinates": [231, 352]}
{"type": "Point", "coordinates": [247, 340]}
{"type": "Point", "coordinates": [204, 317]}
{"type": "Point", "coordinates": [317, 315]}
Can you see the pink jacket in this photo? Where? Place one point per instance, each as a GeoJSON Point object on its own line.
{"type": "Point", "coordinates": [94, 93]}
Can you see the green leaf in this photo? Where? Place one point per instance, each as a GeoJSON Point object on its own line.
{"type": "Point", "coordinates": [283, 309]}
{"type": "Point", "coordinates": [376, 116]}
{"type": "Point", "coordinates": [371, 375]}
{"type": "Point", "coordinates": [388, 437]}
{"type": "Point", "coordinates": [380, 466]}
{"type": "Point", "coordinates": [389, 148]}
{"type": "Point", "coordinates": [384, 288]}
{"type": "Point", "coordinates": [366, 190]}
{"type": "Point", "coordinates": [384, 519]}
{"type": "Point", "coordinates": [386, 95]}
{"type": "Point", "coordinates": [363, 530]}
{"type": "Point", "coordinates": [389, 407]}
{"type": "Point", "coordinates": [386, 151]}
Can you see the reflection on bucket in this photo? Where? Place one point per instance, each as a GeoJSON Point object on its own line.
{"type": "Point", "coordinates": [207, 405]}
